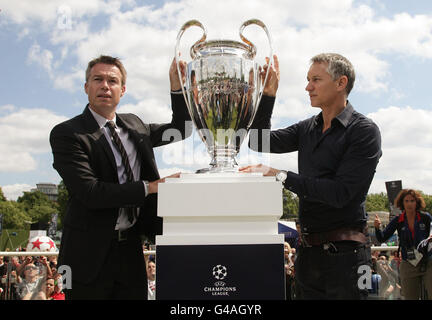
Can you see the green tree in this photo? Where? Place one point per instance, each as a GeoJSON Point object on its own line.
{"type": "Point", "coordinates": [31, 198]}
{"type": "Point", "coordinates": [377, 202]}
{"type": "Point", "coordinates": [290, 205]}
{"type": "Point", "coordinates": [14, 216]}
{"type": "Point", "coordinates": [2, 197]}
{"type": "Point", "coordinates": [62, 201]}
{"type": "Point", "coordinates": [38, 206]}
{"type": "Point", "coordinates": [41, 213]}
{"type": "Point", "coordinates": [428, 201]}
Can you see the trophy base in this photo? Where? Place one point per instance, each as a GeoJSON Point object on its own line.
{"type": "Point", "coordinates": [223, 160]}
{"type": "Point", "coordinates": [217, 169]}
{"type": "Point", "coordinates": [220, 165]}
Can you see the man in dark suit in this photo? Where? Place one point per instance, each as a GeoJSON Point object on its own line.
{"type": "Point", "coordinates": [110, 172]}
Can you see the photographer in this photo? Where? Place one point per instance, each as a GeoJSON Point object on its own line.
{"type": "Point", "coordinates": [389, 287]}
{"type": "Point", "coordinates": [31, 287]}
{"type": "Point", "coordinates": [40, 262]}
{"type": "Point", "coordinates": [412, 226]}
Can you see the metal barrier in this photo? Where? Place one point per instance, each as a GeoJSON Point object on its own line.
{"type": "Point", "coordinates": [37, 254]}
{"type": "Point", "coordinates": [384, 248]}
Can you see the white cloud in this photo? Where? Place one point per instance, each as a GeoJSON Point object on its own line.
{"type": "Point", "coordinates": [41, 57]}
{"type": "Point", "coordinates": [190, 153]}
{"type": "Point", "coordinates": [12, 192]}
{"type": "Point", "coordinates": [299, 31]}
{"type": "Point", "coordinates": [51, 12]}
{"type": "Point", "coordinates": [70, 34]}
{"type": "Point", "coordinates": [149, 110]}
{"type": "Point", "coordinates": [72, 81]}
{"type": "Point", "coordinates": [404, 126]}
{"type": "Point", "coordinates": [25, 132]}
{"type": "Point", "coordinates": [144, 38]}
{"type": "Point", "coordinates": [7, 108]}
{"type": "Point", "coordinates": [16, 160]}
{"type": "Point", "coordinates": [406, 144]}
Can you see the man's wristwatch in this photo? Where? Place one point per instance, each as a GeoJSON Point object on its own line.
{"type": "Point", "coordinates": [281, 176]}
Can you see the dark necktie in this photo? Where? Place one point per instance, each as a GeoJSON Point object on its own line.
{"type": "Point", "coordinates": [131, 212]}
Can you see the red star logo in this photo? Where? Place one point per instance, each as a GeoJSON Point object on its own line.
{"type": "Point", "coordinates": [36, 244]}
{"type": "Point", "coordinates": [51, 244]}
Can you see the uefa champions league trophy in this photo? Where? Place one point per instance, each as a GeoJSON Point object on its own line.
{"type": "Point", "coordinates": [222, 91]}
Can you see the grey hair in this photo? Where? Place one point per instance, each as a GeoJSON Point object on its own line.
{"type": "Point", "coordinates": [338, 66]}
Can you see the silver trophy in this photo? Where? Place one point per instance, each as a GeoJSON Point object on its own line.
{"type": "Point", "coordinates": [222, 91]}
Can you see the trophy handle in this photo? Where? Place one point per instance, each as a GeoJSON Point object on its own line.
{"type": "Point", "coordinates": [253, 48]}
{"type": "Point", "coordinates": [188, 24]}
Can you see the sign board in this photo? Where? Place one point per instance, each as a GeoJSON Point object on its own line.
{"type": "Point", "coordinates": [220, 272]}
{"type": "Point", "coordinates": [393, 189]}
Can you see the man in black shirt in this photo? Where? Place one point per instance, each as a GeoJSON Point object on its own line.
{"type": "Point", "coordinates": [338, 151]}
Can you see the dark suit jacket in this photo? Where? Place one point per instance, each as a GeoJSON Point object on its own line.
{"type": "Point", "coordinates": [84, 160]}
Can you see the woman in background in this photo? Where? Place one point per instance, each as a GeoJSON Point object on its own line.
{"type": "Point", "coordinates": [413, 226]}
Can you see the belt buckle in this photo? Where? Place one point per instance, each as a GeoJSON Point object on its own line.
{"type": "Point", "coordinates": [122, 235]}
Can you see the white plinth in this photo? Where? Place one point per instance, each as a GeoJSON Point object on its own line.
{"type": "Point", "coordinates": [225, 208]}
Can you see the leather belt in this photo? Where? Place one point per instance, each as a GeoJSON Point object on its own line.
{"type": "Point", "coordinates": [123, 235]}
{"type": "Point", "coordinates": [342, 234]}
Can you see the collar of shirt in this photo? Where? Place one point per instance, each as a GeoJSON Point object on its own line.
{"type": "Point", "coordinates": [100, 119]}
{"type": "Point", "coordinates": [344, 117]}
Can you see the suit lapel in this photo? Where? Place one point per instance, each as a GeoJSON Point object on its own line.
{"type": "Point", "coordinates": [144, 149]}
{"type": "Point", "coordinates": [97, 133]}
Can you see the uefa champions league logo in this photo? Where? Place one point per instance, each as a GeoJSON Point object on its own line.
{"type": "Point", "coordinates": [220, 272]}
{"type": "Point", "coordinates": [220, 288]}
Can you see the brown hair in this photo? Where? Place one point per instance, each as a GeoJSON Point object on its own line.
{"type": "Point", "coordinates": [107, 60]}
{"type": "Point", "coordinates": [420, 203]}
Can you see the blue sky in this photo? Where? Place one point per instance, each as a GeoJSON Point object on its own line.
{"type": "Point", "coordinates": [45, 49]}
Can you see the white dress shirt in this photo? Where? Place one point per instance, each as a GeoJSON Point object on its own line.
{"type": "Point", "coordinates": [134, 161]}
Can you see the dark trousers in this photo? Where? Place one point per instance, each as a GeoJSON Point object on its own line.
{"type": "Point", "coordinates": [119, 279]}
{"type": "Point", "coordinates": [331, 271]}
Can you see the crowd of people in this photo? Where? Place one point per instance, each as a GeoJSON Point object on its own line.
{"type": "Point", "coordinates": [36, 278]}
{"type": "Point", "coordinates": [385, 276]}
{"type": "Point", "coordinates": [30, 278]}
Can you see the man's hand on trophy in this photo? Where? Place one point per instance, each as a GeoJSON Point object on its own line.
{"type": "Point", "coordinates": [154, 185]}
{"type": "Point", "coordinates": [267, 171]}
{"type": "Point", "coordinates": [174, 77]}
{"type": "Point", "coordinates": [273, 78]}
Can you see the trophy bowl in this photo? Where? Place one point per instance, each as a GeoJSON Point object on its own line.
{"type": "Point", "coordinates": [222, 92]}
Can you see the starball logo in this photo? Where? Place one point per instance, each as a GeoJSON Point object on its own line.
{"type": "Point", "coordinates": [220, 272]}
